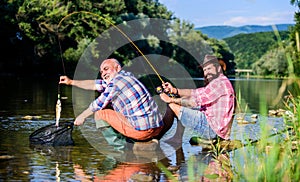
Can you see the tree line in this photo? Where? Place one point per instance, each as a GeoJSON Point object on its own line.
{"type": "Point", "coordinates": [275, 53]}
{"type": "Point", "coordinates": [260, 52]}
{"type": "Point", "coordinates": [34, 40]}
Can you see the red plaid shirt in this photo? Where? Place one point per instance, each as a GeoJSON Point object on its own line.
{"type": "Point", "coordinates": [129, 97]}
{"type": "Point", "coordinates": [217, 102]}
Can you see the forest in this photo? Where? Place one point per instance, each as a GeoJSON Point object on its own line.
{"type": "Point", "coordinates": [38, 35]}
{"type": "Point", "coordinates": [260, 52]}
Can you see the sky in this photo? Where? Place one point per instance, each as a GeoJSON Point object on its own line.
{"type": "Point", "coordinates": [232, 12]}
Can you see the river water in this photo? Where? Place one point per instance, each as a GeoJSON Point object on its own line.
{"type": "Point", "coordinates": [27, 105]}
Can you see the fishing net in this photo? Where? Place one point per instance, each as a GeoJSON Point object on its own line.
{"type": "Point", "coordinates": [52, 135]}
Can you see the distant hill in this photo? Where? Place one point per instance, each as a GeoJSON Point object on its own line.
{"type": "Point", "coordinates": [221, 32]}
{"type": "Point", "coordinates": [249, 48]}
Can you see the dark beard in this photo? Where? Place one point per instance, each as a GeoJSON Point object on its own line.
{"type": "Point", "coordinates": [207, 81]}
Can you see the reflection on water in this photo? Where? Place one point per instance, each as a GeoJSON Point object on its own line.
{"type": "Point", "coordinates": [259, 93]}
{"type": "Point", "coordinates": [20, 161]}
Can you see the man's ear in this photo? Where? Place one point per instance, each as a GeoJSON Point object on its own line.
{"type": "Point", "coordinates": [219, 68]}
{"type": "Point", "coordinates": [119, 68]}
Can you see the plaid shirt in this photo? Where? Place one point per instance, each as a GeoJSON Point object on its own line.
{"type": "Point", "coordinates": [128, 96]}
{"type": "Point", "coordinates": [217, 101]}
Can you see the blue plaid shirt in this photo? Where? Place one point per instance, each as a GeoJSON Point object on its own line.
{"type": "Point", "coordinates": [128, 96]}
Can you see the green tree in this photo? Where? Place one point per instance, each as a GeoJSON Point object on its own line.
{"type": "Point", "coordinates": [184, 35]}
{"type": "Point", "coordinates": [294, 48]}
{"type": "Point", "coordinates": [38, 20]}
{"type": "Point", "coordinates": [273, 63]}
{"type": "Point", "coordinates": [188, 46]}
{"type": "Point", "coordinates": [223, 52]}
{"type": "Point", "coordinates": [46, 30]}
{"type": "Point", "coordinates": [249, 48]}
{"type": "Point", "coordinates": [11, 47]}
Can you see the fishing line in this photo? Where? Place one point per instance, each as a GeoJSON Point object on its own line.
{"type": "Point", "coordinates": [124, 34]}
{"type": "Point", "coordinates": [58, 102]}
{"type": "Point", "coordinates": [58, 105]}
{"type": "Point", "coordinates": [61, 56]}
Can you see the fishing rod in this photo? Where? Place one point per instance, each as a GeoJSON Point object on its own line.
{"type": "Point", "coordinates": [58, 104]}
{"type": "Point", "coordinates": [123, 33]}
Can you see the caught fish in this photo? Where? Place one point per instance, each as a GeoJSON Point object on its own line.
{"type": "Point", "coordinates": [58, 110]}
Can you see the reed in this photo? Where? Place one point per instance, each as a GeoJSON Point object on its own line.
{"type": "Point", "coordinates": [272, 158]}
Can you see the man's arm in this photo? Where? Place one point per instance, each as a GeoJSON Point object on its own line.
{"type": "Point", "coordinates": [84, 84]}
{"type": "Point", "coordinates": [187, 102]}
{"type": "Point", "coordinates": [81, 118]}
{"type": "Point", "coordinates": [184, 93]}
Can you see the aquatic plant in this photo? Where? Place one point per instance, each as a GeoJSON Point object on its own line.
{"type": "Point", "coordinates": [275, 158]}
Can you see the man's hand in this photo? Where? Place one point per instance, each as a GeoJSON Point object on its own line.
{"type": "Point", "coordinates": [79, 121]}
{"type": "Point", "coordinates": [165, 98]}
{"type": "Point", "coordinates": [167, 87]}
{"type": "Point", "coordinates": [65, 80]}
{"type": "Point", "coordinates": [81, 118]}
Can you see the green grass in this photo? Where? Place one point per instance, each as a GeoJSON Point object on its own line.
{"type": "Point", "coordinates": [269, 159]}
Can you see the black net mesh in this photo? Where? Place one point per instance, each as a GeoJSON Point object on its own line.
{"type": "Point", "coordinates": [52, 135]}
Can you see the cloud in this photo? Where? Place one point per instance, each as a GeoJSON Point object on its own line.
{"type": "Point", "coordinates": [272, 18]}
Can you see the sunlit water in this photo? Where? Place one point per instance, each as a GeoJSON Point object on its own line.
{"type": "Point", "coordinates": [23, 162]}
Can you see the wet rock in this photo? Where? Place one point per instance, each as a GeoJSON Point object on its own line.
{"type": "Point", "coordinates": [231, 144]}
{"type": "Point", "coordinates": [246, 122]}
{"type": "Point", "coordinates": [254, 116]}
{"type": "Point", "coordinates": [173, 168]}
{"type": "Point", "coordinates": [141, 177]}
{"type": "Point", "coordinates": [243, 119]}
{"type": "Point", "coordinates": [224, 144]}
{"type": "Point", "coordinates": [28, 117]}
{"type": "Point", "coordinates": [6, 157]}
{"type": "Point", "coordinates": [278, 112]}
{"type": "Point", "coordinates": [145, 146]}
{"type": "Point", "coordinates": [198, 140]}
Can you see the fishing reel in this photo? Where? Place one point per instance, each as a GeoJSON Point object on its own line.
{"type": "Point", "coordinates": [160, 90]}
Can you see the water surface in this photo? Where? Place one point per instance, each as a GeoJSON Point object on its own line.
{"type": "Point", "coordinates": [37, 98]}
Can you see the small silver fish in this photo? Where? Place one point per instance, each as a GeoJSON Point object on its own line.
{"type": "Point", "coordinates": [58, 111]}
